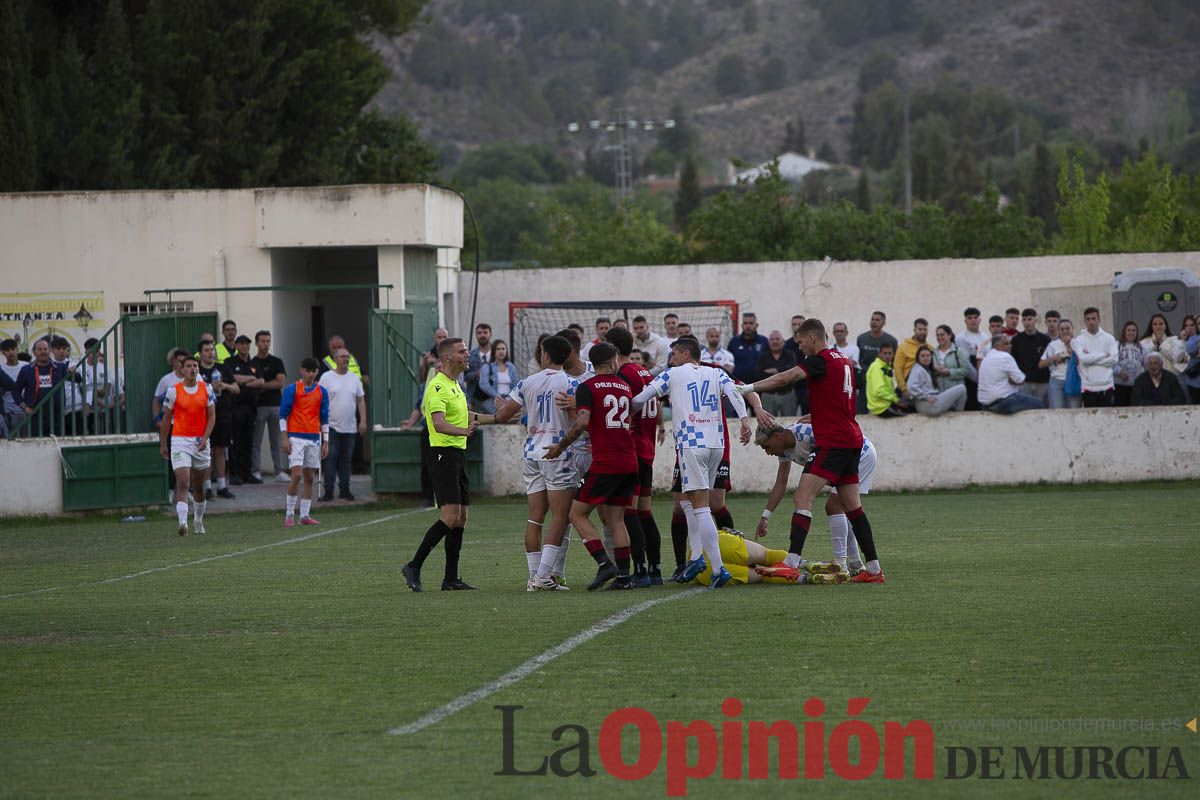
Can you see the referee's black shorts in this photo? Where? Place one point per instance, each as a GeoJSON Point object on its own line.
{"type": "Point", "coordinates": [448, 471]}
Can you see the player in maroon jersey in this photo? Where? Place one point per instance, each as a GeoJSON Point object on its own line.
{"type": "Point", "coordinates": [604, 404]}
{"type": "Point", "coordinates": [644, 539]}
{"type": "Point", "coordinates": [839, 441]}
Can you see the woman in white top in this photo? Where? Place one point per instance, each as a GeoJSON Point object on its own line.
{"type": "Point", "coordinates": [1157, 338]}
{"type": "Point", "coordinates": [498, 376]}
{"type": "Point", "coordinates": [1057, 357]}
{"type": "Point", "coordinates": [951, 363]}
{"type": "Point", "coordinates": [921, 391]}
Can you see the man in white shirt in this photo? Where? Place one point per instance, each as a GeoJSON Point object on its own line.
{"type": "Point", "coordinates": [999, 378]}
{"type": "Point", "coordinates": [550, 483]}
{"type": "Point", "coordinates": [1096, 350]}
{"type": "Point", "coordinates": [346, 401]}
{"type": "Point", "coordinates": [699, 425]}
{"type": "Point", "coordinates": [713, 353]}
{"type": "Point", "coordinates": [649, 342]}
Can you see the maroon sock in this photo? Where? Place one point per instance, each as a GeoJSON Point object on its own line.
{"type": "Point", "coordinates": [622, 556]}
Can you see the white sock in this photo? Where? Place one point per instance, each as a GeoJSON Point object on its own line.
{"type": "Point", "coordinates": [207, 484]}
{"type": "Point", "coordinates": [874, 568]}
{"type": "Point", "coordinates": [548, 560]}
{"type": "Point", "coordinates": [181, 511]}
{"type": "Point", "coordinates": [852, 549]}
{"type": "Point", "coordinates": [305, 506]}
{"type": "Point", "coordinates": [221, 484]}
{"type": "Point", "coordinates": [695, 548]}
{"type": "Point", "coordinates": [793, 560]}
{"type": "Point", "coordinates": [560, 562]}
{"type": "Point", "coordinates": [839, 526]}
{"type": "Point", "coordinates": [708, 536]}
{"type": "Point", "coordinates": [532, 560]}
{"type": "Point", "coordinates": [291, 504]}
{"type": "Point", "coordinates": [198, 510]}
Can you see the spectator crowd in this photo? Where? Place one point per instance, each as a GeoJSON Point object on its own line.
{"type": "Point", "coordinates": [246, 378]}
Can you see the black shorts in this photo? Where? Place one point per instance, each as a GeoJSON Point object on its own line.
{"type": "Point", "coordinates": [645, 478]}
{"type": "Point", "coordinates": [721, 481]}
{"type": "Point", "coordinates": [611, 489]}
{"type": "Point", "coordinates": [837, 465]}
{"type": "Point", "coordinates": [448, 471]}
{"type": "Point", "coordinates": [222, 433]}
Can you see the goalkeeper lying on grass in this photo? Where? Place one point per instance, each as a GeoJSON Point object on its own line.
{"type": "Point", "coordinates": [740, 556]}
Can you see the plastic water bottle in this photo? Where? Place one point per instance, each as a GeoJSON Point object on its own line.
{"type": "Point", "coordinates": [134, 518]}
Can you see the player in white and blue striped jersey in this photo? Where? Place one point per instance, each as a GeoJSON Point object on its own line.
{"type": "Point", "coordinates": [549, 483]}
{"type": "Point", "coordinates": [695, 393]}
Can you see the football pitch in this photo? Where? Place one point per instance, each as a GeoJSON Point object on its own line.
{"type": "Point", "coordinates": [258, 662]}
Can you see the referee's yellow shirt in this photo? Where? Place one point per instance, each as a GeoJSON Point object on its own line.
{"type": "Point", "coordinates": [444, 394]}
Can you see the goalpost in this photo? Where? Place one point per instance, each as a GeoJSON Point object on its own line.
{"type": "Point", "coordinates": [527, 320]}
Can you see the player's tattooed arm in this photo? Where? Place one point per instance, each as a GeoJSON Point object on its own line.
{"type": "Point", "coordinates": [581, 425]}
{"type": "Point", "coordinates": [777, 381]}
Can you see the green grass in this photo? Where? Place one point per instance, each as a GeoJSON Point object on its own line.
{"type": "Point", "coordinates": [277, 673]}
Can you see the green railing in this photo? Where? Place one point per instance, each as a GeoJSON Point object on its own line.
{"type": "Point", "coordinates": [394, 367]}
{"type": "Point", "coordinates": [90, 401]}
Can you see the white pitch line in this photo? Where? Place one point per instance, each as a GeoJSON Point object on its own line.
{"type": "Point", "coordinates": [534, 664]}
{"type": "Point", "coordinates": [209, 559]}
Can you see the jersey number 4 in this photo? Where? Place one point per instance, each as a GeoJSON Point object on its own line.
{"type": "Point", "coordinates": [848, 382]}
{"type": "Point", "coordinates": [617, 411]}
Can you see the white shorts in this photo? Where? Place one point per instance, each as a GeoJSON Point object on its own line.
{"type": "Point", "coordinates": [698, 467]}
{"type": "Point", "coordinates": [305, 453]}
{"type": "Point", "coordinates": [553, 476]}
{"type": "Point", "coordinates": [185, 454]}
{"type": "Point", "coordinates": [866, 469]}
{"type": "Point", "coordinates": [581, 461]}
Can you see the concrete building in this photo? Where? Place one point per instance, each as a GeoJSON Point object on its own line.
{"type": "Point", "coordinates": [112, 246]}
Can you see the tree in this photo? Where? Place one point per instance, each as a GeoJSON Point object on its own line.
{"type": "Point", "coordinates": [931, 142]}
{"type": "Point", "coordinates": [18, 130]}
{"type": "Point", "coordinates": [681, 138]}
{"type": "Point", "coordinates": [827, 154]}
{"type": "Point", "coordinates": [1042, 190]}
{"type": "Point", "coordinates": [600, 236]}
{"type": "Point", "coordinates": [878, 124]}
{"type": "Point", "coordinates": [879, 66]}
{"type": "Point", "coordinates": [862, 192]}
{"type": "Point", "coordinates": [794, 138]}
{"type": "Point", "coordinates": [758, 222]}
{"type": "Point", "coordinates": [1082, 210]}
{"type": "Point", "coordinates": [772, 74]}
{"type": "Point", "coordinates": [731, 75]}
{"type": "Point", "coordinates": [116, 110]}
{"type": "Point", "coordinates": [218, 93]}
{"type": "Point", "coordinates": [688, 198]}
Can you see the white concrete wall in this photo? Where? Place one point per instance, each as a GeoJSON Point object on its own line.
{"type": "Point", "coordinates": [32, 472]}
{"type": "Point", "coordinates": [358, 215]}
{"type": "Point", "coordinates": [846, 291]}
{"type": "Point", "coordinates": [957, 450]}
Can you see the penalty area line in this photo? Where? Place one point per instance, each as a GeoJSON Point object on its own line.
{"type": "Point", "coordinates": [209, 559]}
{"type": "Point", "coordinates": [535, 663]}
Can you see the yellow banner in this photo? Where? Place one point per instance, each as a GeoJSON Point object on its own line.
{"type": "Point", "coordinates": [29, 316]}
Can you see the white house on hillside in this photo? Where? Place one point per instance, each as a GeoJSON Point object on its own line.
{"type": "Point", "coordinates": [792, 168]}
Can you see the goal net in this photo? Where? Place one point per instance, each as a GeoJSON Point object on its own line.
{"type": "Point", "coordinates": [527, 321]}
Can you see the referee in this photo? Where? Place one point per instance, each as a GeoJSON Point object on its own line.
{"type": "Point", "coordinates": [449, 424]}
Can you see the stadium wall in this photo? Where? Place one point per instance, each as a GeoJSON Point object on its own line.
{"type": "Point", "coordinates": [958, 450]}
{"type": "Point", "coordinates": [848, 291]}
{"type": "Point", "coordinates": [32, 470]}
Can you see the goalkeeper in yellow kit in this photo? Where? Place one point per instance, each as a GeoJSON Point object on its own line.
{"type": "Point", "coordinates": [750, 562]}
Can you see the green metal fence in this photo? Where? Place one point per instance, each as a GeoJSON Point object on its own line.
{"type": "Point", "coordinates": [113, 476]}
{"type": "Point", "coordinates": [89, 401]}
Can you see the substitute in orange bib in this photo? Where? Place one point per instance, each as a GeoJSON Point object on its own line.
{"type": "Point", "coordinates": [304, 422]}
{"type": "Point", "coordinates": [189, 413]}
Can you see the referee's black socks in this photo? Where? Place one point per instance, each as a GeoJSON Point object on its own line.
{"type": "Point", "coordinates": [454, 540]}
{"type": "Point", "coordinates": [437, 531]}
{"type": "Point", "coordinates": [679, 537]}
